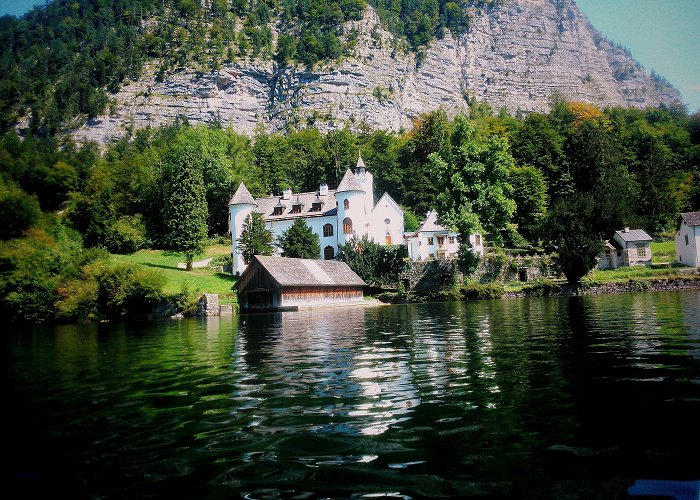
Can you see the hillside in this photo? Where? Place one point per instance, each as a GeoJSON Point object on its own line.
{"type": "Point", "coordinates": [335, 64]}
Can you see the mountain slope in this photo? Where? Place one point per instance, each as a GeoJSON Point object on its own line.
{"type": "Point", "coordinates": [515, 55]}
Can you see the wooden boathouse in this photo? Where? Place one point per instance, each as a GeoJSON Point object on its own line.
{"type": "Point", "coordinates": [280, 283]}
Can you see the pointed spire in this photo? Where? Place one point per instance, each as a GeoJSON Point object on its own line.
{"type": "Point", "coordinates": [360, 167]}
{"type": "Point", "coordinates": [242, 196]}
{"type": "Point", "coordinates": [349, 183]}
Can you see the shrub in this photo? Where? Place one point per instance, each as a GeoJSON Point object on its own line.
{"type": "Point", "coordinates": [375, 264]}
{"type": "Point", "coordinates": [481, 292]}
{"type": "Point", "coordinates": [127, 234]}
{"type": "Point", "coordinates": [19, 212]}
{"type": "Point", "coordinates": [541, 288]}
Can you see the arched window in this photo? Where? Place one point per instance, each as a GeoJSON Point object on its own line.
{"type": "Point", "coordinates": [327, 230]}
{"type": "Point", "coordinates": [346, 204]}
{"type": "Point", "coordinates": [387, 240]}
{"type": "Point", "coordinates": [347, 225]}
{"type": "Point", "coordinates": [328, 253]}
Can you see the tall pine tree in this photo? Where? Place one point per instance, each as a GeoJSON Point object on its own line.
{"type": "Point", "coordinates": [256, 239]}
{"type": "Point", "coordinates": [300, 241]}
{"type": "Point", "coordinates": [187, 208]}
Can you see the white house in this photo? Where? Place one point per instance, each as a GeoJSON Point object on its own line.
{"type": "Point", "coordinates": [334, 215]}
{"type": "Point", "coordinates": [433, 241]}
{"type": "Point", "coordinates": [688, 239]}
{"type": "Point", "coordinates": [629, 247]}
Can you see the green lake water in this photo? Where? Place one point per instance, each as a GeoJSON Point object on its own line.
{"type": "Point", "coordinates": [580, 397]}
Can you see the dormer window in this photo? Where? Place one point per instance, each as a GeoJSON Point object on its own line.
{"type": "Point", "coordinates": [296, 209]}
{"type": "Point", "coordinates": [316, 207]}
{"type": "Point", "coordinates": [277, 210]}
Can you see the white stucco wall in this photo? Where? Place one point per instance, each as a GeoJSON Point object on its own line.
{"type": "Point", "coordinates": [688, 254]}
{"type": "Point", "coordinates": [384, 210]}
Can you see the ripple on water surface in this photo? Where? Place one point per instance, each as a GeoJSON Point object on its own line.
{"type": "Point", "coordinates": [493, 397]}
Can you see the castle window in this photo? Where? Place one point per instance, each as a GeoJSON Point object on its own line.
{"type": "Point", "coordinates": [346, 204]}
{"type": "Point", "coordinates": [387, 240]}
{"type": "Point", "coordinates": [387, 221]}
{"type": "Point", "coordinates": [328, 253]}
{"type": "Point", "coordinates": [452, 240]}
{"type": "Point", "coordinates": [327, 230]}
{"type": "Point", "coordinates": [477, 239]}
{"type": "Point", "coordinates": [430, 240]}
{"type": "Point", "coordinates": [347, 225]}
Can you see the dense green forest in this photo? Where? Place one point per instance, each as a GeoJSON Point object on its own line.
{"type": "Point", "coordinates": [530, 182]}
{"type": "Point", "coordinates": [63, 60]}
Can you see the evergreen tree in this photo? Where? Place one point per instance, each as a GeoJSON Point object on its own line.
{"type": "Point", "coordinates": [256, 239]}
{"type": "Point", "coordinates": [187, 208]}
{"type": "Point", "coordinates": [300, 241]}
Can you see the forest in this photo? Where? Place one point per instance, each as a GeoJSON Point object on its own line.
{"type": "Point", "coordinates": [527, 183]}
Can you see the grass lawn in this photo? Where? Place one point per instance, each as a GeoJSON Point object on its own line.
{"type": "Point", "coordinates": [663, 252]}
{"type": "Point", "coordinates": [201, 280]}
{"type": "Point", "coordinates": [627, 273]}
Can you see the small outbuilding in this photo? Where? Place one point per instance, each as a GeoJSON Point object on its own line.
{"type": "Point", "coordinates": [629, 247]}
{"type": "Point", "coordinates": [280, 283]}
{"type": "Point", "coordinates": [688, 239]}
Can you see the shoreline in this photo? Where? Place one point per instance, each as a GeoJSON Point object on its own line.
{"type": "Point", "coordinates": [491, 291]}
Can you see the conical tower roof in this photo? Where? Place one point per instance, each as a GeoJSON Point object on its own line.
{"type": "Point", "coordinates": [349, 183]}
{"type": "Point", "coordinates": [242, 196]}
{"type": "Point", "coordinates": [360, 167]}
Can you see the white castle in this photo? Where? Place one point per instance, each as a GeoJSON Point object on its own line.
{"type": "Point", "coordinates": [339, 215]}
{"type": "Point", "coordinates": [336, 216]}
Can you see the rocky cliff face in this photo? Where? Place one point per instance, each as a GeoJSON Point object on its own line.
{"type": "Point", "coordinates": [514, 56]}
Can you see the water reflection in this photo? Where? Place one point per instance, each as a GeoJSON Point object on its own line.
{"type": "Point", "coordinates": [545, 398]}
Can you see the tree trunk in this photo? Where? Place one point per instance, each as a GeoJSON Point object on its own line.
{"type": "Point", "coordinates": [189, 262]}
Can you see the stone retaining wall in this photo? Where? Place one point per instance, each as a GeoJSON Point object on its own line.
{"type": "Point", "coordinates": [655, 285]}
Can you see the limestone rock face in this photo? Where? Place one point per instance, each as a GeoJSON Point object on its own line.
{"type": "Point", "coordinates": [514, 56]}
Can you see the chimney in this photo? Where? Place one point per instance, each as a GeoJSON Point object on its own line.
{"type": "Point", "coordinates": [323, 189]}
{"type": "Point", "coordinates": [287, 194]}
{"type": "Point", "coordinates": [627, 230]}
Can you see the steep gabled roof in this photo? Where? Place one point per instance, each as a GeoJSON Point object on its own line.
{"type": "Point", "coordinates": [349, 183]}
{"type": "Point", "coordinates": [634, 235]}
{"type": "Point", "coordinates": [691, 218]}
{"type": "Point", "coordinates": [430, 224]}
{"type": "Point", "coordinates": [387, 197]}
{"type": "Point", "coordinates": [242, 196]}
{"type": "Point", "coordinates": [308, 272]}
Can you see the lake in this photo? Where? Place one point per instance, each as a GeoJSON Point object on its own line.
{"type": "Point", "coordinates": [574, 397]}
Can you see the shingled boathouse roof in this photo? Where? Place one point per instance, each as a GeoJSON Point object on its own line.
{"type": "Point", "coordinates": [279, 283]}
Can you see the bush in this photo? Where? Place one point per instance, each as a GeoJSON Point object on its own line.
{"type": "Point", "coordinates": [541, 288]}
{"type": "Point", "coordinates": [110, 291]}
{"type": "Point", "coordinates": [127, 234]}
{"type": "Point", "coordinates": [375, 264]}
{"type": "Point", "coordinates": [19, 212]}
{"type": "Point", "coordinates": [481, 292]}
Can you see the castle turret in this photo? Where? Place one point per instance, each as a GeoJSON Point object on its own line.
{"type": "Point", "coordinates": [366, 180]}
{"type": "Point", "coordinates": [352, 216]}
{"type": "Point", "coordinates": [240, 207]}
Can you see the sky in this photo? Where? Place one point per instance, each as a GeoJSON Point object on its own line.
{"type": "Point", "coordinates": [663, 35]}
